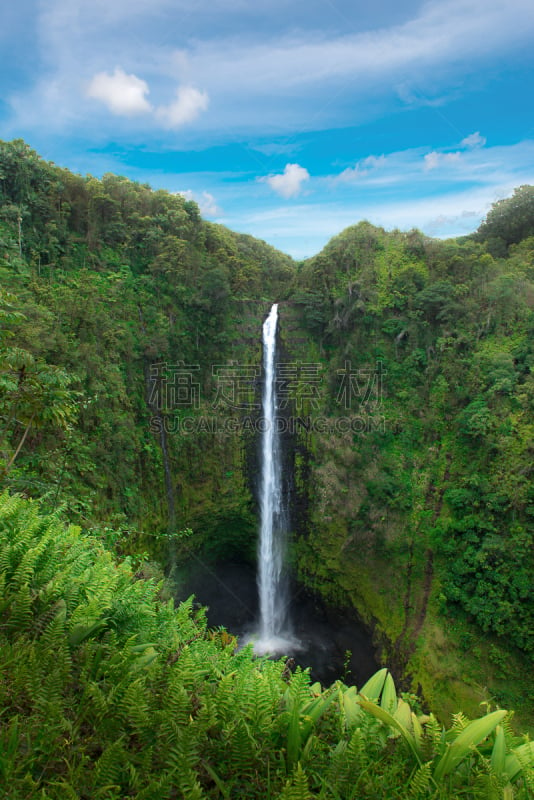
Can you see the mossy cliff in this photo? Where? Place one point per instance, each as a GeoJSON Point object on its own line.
{"type": "Point", "coordinates": [129, 368]}
{"type": "Point", "coordinates": [415, 464]}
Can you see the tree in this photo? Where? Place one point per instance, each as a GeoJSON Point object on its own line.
{"type": "Point", "coordinates": [32, 392]}
{"type": "Point", "coordinates": [509, 221]}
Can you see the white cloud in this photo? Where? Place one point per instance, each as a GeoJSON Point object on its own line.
{"type": "Point", "coordinates": [473, 140]}
{"type": "Point", "coordinates": [362, 168]}
{"type": "Point", "coordinates": [448, 33]}
{"type": "Point", "coordinates": [206, 202]}
{"type": "Point", "coordinates": [189, 103]}
{"type": "Point", "coordinates": [251, 73]}
{"type": "Point", "coordinates": [455, 224]}
{"type": "Point", "coordinates": [434, 160]}
{"type": "Point", "coordinates": [187, 194]}
{"type": "Point", "coordinates": [289, 183]}
{"type": "Point", "coordinates": [123, 94]}
{"type": "Point", "coordinates": [303, 229]}
{"type": "Point", "coordinates": [208, 205]}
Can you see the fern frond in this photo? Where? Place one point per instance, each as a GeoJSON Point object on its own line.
{"type": "Point", "coordinates": [110, 766]}
{"type": "Point", "coordinates": [421, 781]}
{"type": "Point", "coordinates": [432, 738]}
{"type": "Point", "coordinates": [20, 612]}
{"type": "Point", "coordinates": [297, 787]}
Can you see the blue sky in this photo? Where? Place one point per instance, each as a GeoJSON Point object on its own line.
{"type": "Point", "coordinates": [284, 119]}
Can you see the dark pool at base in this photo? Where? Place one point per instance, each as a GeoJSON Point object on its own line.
{"type": "Point", "coordinates": [326, 635]}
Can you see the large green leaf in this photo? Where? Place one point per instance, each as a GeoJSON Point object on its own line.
{"type": "Point", "coordinates": [388, 701]}
{"type": "Point", "coordinates": [457, 750]}
{"type": "Point", "coordinates": [520, 758]}
{"type": "Point", "coordinates": [372, 688]}
{"type": "Point", "coordinates": [498, 755]}
{"type": "Point", "coordinates": [388, 719]}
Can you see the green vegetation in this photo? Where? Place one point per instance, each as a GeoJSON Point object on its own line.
{"type": "Point", "coordinates": [107, 287]}
{"type": "Point", "coordinates": [434, 531]}
{"type": "Point", "coordinates": [418, 513]}
{"type": "Point", "coordinates": [108, 691]}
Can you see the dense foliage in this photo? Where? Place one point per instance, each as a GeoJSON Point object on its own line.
{"type": "Point", "coordinates": [104, 285]}
{"type": "Point", "coordinates": [420, 515]}
{"type": "Point", "coordinates": [452, 330]}
{"type": "Point", "coordinates": [108, 691]}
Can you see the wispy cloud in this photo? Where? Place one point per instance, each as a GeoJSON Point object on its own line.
{"type": "Point", "coordinates": [277, 148]}
{"type": "Point", "coordinates": [249, 76]}
{"type": "Point", "coordinates": [414, 167]}
{"type": "Point", "coordinates": [363, 168]}
{"type": "Point", "coordinates": [289, 183]}
{"type": "Point", "coordinates": [434, 160]}
{"type": "Point", "coordinates": [443, 33]}
{"type": "Point", "coordinates": [473, 140]}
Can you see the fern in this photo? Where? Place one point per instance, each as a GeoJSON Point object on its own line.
{"type": "Point", "coordinates": [20, 617]}
{"type": "Point", "coordinates": [110, 766]}
{"type": "Point", "coordinates": [459, 723]}
{"type": "Point", "coordinates": [106, 692]}
{"type": "Point", "coordinates": [421, 781]}
{"type": "Point", "coordinates": [297, 787]}
{"type": "Point", "coordinates": [432, 738]}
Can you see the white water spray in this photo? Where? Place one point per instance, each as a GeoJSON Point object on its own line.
{"type": "Point", "coordinates": [273, 634]}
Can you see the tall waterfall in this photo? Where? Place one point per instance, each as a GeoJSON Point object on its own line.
{"type": "Point", "coordinates": [273, 525]}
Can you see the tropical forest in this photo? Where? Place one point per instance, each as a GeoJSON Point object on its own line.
{"type": "Point", "coordinates": [340, 450]}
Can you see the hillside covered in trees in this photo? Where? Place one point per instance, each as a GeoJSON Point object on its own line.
{"type": "Point", "coordinates": [409, 375]}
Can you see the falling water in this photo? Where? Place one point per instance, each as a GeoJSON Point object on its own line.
{"type": "Point", "coordinates": [273, 635]}
{"type": "Point", "coordinates": [322, 644]}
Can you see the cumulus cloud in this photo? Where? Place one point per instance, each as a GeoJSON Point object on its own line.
{"type": "Point", "coordinates": [206, 202]}
{"type": "Point", "coordinates": [123, 94]}
{"type": "Point", "coordinates": [208, 205]}
{"type": "Point", "coordinates": [187, 194]}
{"type": "Point", "coordinates": [189, 103]}
{"type": "Point", "coordinates": [289, 183]}
{"type": "Point", "coordinates": [435, 159]}
{"type": "Point", "coordinates": [126, 95]}
{"type": "Point", "coordinates": [473, 140]}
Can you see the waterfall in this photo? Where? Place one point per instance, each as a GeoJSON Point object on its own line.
{"type": "Point", "coordinates": [273, 634]}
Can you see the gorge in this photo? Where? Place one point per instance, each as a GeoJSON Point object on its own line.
{"type": "Point", "coordinates": [417, 521]}
{"type": "Point", "coordinates": [285, 619]}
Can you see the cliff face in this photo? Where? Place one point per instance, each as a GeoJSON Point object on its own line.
{"type": "Point", "coordinates": [130, 367]}
{"type": "Point", "coordinates": [416, 473]}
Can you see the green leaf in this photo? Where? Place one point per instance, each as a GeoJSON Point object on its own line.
{"type": "Point", "coordinates": [145, 660]}
{"type": "Point", "coordinates": [519, 758]}
{"type": "Point", "coordinates": [351, 708]}
{"type": "Point", "coordinates": [374, 685]}
{"type": "Point", "coordinates": [388, 719]}
{"type": "Point", "coordinates": [81, 632]}
{"type": "Point", "coordinates": [389, 695]}
{"type": "Point", "coordinates": [471, 736]}
{"type": "Point", "coordinates": [498, 755]}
